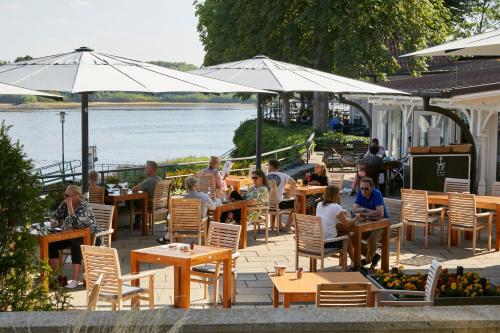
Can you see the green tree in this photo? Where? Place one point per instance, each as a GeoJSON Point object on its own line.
{"type": "Point", "coordinates": [20, 205]}
{"type": "Point", "coordinates": [356, 38]}
{"type": "Point", "coordinates": [25, 58]}
{"type": "Point", "coordinates": [180, 66]}
{"type": "Point", "coordinates": [470, 17]}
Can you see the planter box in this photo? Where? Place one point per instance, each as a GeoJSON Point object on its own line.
{"type": "Point", "coordinates": [448, 301]}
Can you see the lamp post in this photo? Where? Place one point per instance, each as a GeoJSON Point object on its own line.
{"type": "Point", "coordinates": [62, 116]}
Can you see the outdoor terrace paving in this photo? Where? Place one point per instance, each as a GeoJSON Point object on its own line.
{"type": "Point", "coordinates": [254, 288]}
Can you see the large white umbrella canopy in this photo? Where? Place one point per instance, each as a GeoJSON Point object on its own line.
{"type": "Point", "coordinates": [265, 73]}
{"type": "Point", "coordinates": [8, 89]}
{"type": "Point", "coordinates": [485, 44]}
{"type": "Point", "coordinates": [85, 71]}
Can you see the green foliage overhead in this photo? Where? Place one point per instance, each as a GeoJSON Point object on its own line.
{"type": "Point", "coordinates": [180, 66]}
{"type": "Point", "coordinates": [353, 38]}
{"type": "Point", "coordinates": [20, 206]}
{"type": "Point", "coordinates": [470, 17]}
{"type": "Point", "coordinates": [25, 58]}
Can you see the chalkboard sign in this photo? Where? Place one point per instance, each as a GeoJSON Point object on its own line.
{"type": "Point", "coordinates": [427, 172]}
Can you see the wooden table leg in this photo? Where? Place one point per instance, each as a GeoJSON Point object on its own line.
{"type": "Point", "coordinates": [409, 232]}
{"type": "Point", "coordinates": [217, 215]}
{"type": "Point", "coordinates": [177, 286]}
{"type": "Point", "coordinates": [454, 237]}
{"type": "Point", "coordinates": [185, 286]}
{"type": "Point", "coordinates": [302, 203]}
{"type": "Point", "coordinates": [243, 223]}
{"type": "Point", "coordinates": [116, 221]}
{"type": "Point", "coordinates": [385, 249]}
{"type": "Point", "coordinates": [135, 268]}
{"type": "Point", "coordinates": [145, 216]}
{"type": "Point", "coordinates": [227, 282]}
{"type": "Point", "coordinates": [357, 248]}
{"type": "Point", "coordinates": [276, 297]}
{"type": "Point", "coordinates": [286, 301]}
{"type": "Point", "coordinates": [497, 228]}
{"type": "Point", "coordinates": [87, 237]}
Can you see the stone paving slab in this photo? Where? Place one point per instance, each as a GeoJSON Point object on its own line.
{"type": "Point", "coordinates": [253, 285]}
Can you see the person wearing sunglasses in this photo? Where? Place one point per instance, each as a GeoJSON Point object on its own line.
{"type": "Point", "coordinates": [369, 203]}
{"type": "Point", "coordinates": [258, 195]}
{"type": "Point", "coordinates": [73, 212]}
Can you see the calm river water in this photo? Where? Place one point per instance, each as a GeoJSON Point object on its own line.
{"type": "Point", "coordinates": [130, 135]}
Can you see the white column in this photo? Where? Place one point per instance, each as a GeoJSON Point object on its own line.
{"type": "Point", "coordinates": [483, 118]}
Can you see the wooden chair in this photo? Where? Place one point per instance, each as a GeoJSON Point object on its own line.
{"type": "Point", "coordinates": [428, 294]}
{"type": "Point", "coordinates": [463, 216]}
{"type": "Point", "coordinates": [262, 217]}
{"type": "Point", "coordinates": [332, 295]}
{"type": "Point", "coordinates": [393, 207]}
{"type": "Point", "coordinates": [93, 294]}
{"type": "Point", "coordinates": [416, 212]}
{"type": "Point", "coordinates": [186, 221]}
{"type": "Point", "coordinates": [219, 235]}
{"type": "Point", "coordinates": [337, 179]}
{"type": "Point", "coordinates": [160, 204]}
{"type": "Point", "coordinates": [456, 185]}
{"type": "Point", "coordinates": [275, 212]}
{"type": "Point", "coordinates": [496, 189]}
{"type": "Point", "coordinates": [96, 194]}
{"type": "Point", "coordinates": [104, 261]}
{"type": "Point", "coordinates": [104, 218]}
{"type": "Point", "coordinates": [207, 183]}
{"type": "Point", "coordinates": [309, 242]}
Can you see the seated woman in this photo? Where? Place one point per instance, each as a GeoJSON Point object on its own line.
{"type": "Point", "coordinates": [318, 178]}
{"type": "Point", "coordinates": [93, 187]}
{"type": "Point", "coordinates": [333, 218]}
{"type": "Point", "coordinates": [258, 195]}
{"type": "Point", "coordinates": [192, 186]}
{"type": "Point", "coordinates": [73, 212]}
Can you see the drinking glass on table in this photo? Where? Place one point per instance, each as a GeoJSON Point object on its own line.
{"type": "Point", "coordinates": [299, 182]}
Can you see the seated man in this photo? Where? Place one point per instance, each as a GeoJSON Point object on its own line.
{"type": "Point", "coordinates": [380, 149]}
{"type": "Point", "coordinates": [147, 185]}
{"type": "Point", "coordinates": [281, 179]}
{"type": "Point", "coordinates": [369, 203]}
{"type": "Point", "coordinates": [213, 167]}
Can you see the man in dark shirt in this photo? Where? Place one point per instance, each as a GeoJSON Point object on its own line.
{"type": "Point", "coordinates": [368, 166]}
{"type": "Point", "coordinates": [147, 185]}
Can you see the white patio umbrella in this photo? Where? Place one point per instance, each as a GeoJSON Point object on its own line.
{"type": "Point", "coordinates": [84, 71]}
{"type": "Point", "coordinates": [8, 89]}
{"type": "Point", "coordinates": [485, 44]}
{"type": "Point", "coordinates": [265, 73]}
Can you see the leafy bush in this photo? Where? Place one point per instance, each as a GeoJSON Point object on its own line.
{"type": "Point", "coordinates": [325, 141]}
{"type": "Point", "coordinates": [21, 205]}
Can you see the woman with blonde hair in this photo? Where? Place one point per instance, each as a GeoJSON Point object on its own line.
{"type": "Point", "coordinates": [318, 178]}
{"type": "Point", "coordinates": [73, 212]}
{"type": "Point", "coordinates": [333, 218]}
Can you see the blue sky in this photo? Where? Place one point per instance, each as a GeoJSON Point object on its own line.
{"type": "Point", "coordinates": [142, 30]}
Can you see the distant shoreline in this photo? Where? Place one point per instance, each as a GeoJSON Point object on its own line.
{"type": "Point", "coordinates": [76, 105]}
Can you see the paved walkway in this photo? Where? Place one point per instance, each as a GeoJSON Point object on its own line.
{"type": "Point", "coordinates": [253, 285]}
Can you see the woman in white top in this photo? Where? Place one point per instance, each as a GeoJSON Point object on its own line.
{"type": "Point", "coordinates": [331, 214]}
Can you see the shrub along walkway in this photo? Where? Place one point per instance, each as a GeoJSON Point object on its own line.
{"type": "Point", "coordinates": [253, 285]}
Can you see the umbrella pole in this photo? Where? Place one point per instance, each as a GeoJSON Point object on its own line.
{"type": "Point", "coordinates": [85, 141]}
{"type": "Point", "coordinates": [258, 133]}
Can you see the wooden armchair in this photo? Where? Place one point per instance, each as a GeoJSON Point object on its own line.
{"type": "Point", "coordinates": [428, 294]}
{"type": "Point", "coordinates": [93, 293]}
{"type": "Point", "coordinates": [104, 218]}
{"type": "Point", "coordinates": [275, 212]}
{"type": "Point", "coordinates": [160, 204]}
{"type": "Point", "coordinates": [207, 183]}
{"type": "Point", "coordinates": [309, 242]}
{"type": "Point", "coordinates": [337, 179]}
{"type": "Point", "coordinates": [186, 221]}
{"type": "Point", "coordinates": [463, 216]}
{"type": "Point", "coordinates": [219, 235]}
{"type": "Point", "coordinates": [259, 215]}
{"type": "Point", "coordinates": [416, 212]}
{"type": "Point", "coordinates": [96, 194]}
{"type": "Point", "coordinates": [333, 295]}
{"type": "Point", "coordinates": [104, 261]}
{"type": "Point", "coordinates": [393, 207]}
{"type": "Point", "coordinates": [456, 185]}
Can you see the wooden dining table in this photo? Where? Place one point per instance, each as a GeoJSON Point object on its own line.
{"type": "Point", "coordinates": [229, 207]}
{"type": "Point", "coordinates": [362, 227]}
{"type": "Point", "coordinates": [482, 202]}
{"type": "Point", "coordinates": [140, 196]}
{"type": "Point", "coordinates": [302, 192]}
{"type": "Point", "coordinates": [304, 289]}
{"type": "Point", "coordinates": [168, 255]}
{"type": "Point", "coordinates": [238, 181]}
